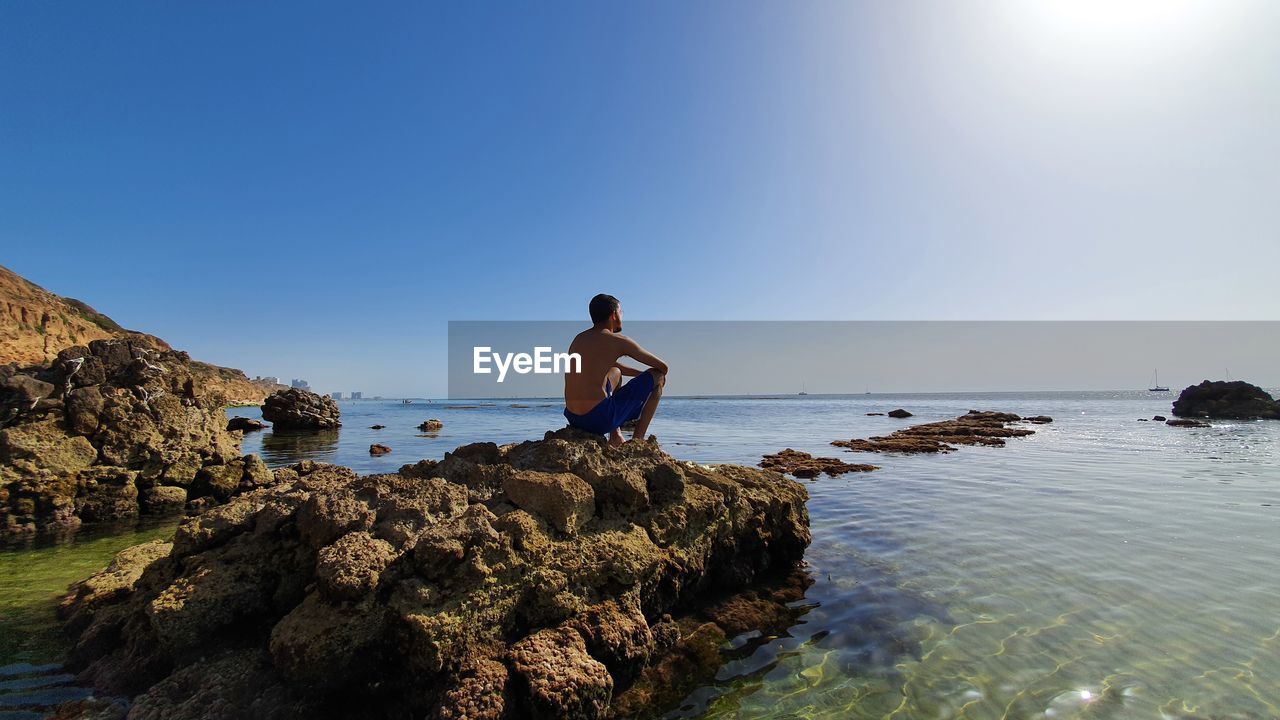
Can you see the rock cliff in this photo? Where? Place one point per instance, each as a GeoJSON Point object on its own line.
{"type": "Point", "coordinates": [110, 431]}
{"type": "Point", "coordinates": [35, 325]}
{"type": "Point", "coordinates": [527, 580]}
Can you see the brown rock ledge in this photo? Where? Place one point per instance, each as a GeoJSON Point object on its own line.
{"type": "Point", "coordinates": [974, 428]}
{"type": "Point", "coordinates": [804, 465]}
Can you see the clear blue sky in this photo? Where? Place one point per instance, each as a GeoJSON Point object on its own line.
{"type": "Point", "coordinates": [315, 189]}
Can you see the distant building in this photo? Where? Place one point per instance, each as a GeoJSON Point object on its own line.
{"type": "Point", "coordinates": [267, 379]}
{"type": "Point", "coordinates": [336, 396]}
{"type": "Point", "coordinates": [357, 395]}
{"type": "Point", "coordinates": [302, 384]}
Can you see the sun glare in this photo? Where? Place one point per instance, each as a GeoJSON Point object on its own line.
{"type": "Point", "coordinates": [1131, 26]}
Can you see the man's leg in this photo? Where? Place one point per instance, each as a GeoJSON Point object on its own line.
{"type": "Point", "coordinates": [614, 378]}
{"type": "Point", "coordinates": [650, 405]}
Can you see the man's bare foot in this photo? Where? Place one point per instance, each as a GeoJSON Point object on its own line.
{"type": "Point", "coordinates": [615, 439]}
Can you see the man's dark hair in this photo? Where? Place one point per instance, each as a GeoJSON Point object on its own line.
{"type": "Point", "coordinates": [601, 307]}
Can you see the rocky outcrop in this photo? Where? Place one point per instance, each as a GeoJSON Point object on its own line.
{"type": "Point", "coordinates": [804, 465]}
{"type": "Point", "coordinates": [109, 431]}
{"type": "Point", "coordinates": [36, 325]}
{"type": "Point", "coordinates": [1187, 423]}
{"type": "Point", "coordinates": [298, 409]}
{"type": "Point", "coordinates": [973, 428]}
{"type": "Point", "coordinates": [1236, 400]}
{"type": "Point", "coordinates": [379, 449]}
{"type": "Point", "coordinates": [899, 413]}
{"type": "Point", "coordinates": [431, 426]}
{"type": "Point", "coordinates": [536, 579]}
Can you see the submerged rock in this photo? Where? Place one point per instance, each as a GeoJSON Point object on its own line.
{"type": "Point", "coordinates": [804, 465]}
{"type": "Point", "coordinates": [1186, 422]}
{"type": "Point", "coordinates": [298, 409]}
{"type": "Point", "coordinates": [244, 424]}
{"type": "Point", "coordinates": [525, 580]}
{"type": "Point", "coordinates": [1236, 400]}
{"type": "Point", "coordinates": [431, 425]}
{"type": "Point", "coordinates": [108, 431]}
{"type": "Point", "coordinates": [974, 428]}
{"type": "Point", "coordinates": [379, 449]}
{"type": "Point", "coordinates": [899, 413]}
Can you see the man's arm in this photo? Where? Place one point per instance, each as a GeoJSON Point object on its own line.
{"type": "Point", "coordinates": [632, 349]}
{"type": "Point", "coordinates": [627, 371]}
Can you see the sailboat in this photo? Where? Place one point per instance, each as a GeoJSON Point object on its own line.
{"type": "Point", "coordinates": [802, 392]}
{"type": "Point", "coordinates": [1155, 383]}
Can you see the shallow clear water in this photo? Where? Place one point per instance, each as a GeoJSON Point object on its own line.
{"type": "Point", "coordinates": [1100, 568]}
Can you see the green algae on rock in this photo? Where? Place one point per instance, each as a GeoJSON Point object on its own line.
{"type": "Point", "coordinates": [532, 579]}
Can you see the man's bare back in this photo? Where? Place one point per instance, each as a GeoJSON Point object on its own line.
{"type": "Point", "coordinates": [600, 348]}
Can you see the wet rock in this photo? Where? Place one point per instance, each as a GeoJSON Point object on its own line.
{"type": "Point", "coordinates": [377, 449]}
{"type": "Point", "coordinates": [111, 585]}
{"type": "Point", "coordinates": [431, 425]}
{"type": "Point", "coordinates": [804, 465]}
{"type": "Point", "coordinates": [899, 413]}
{"type": "Point", "coordinates": [1159, 418]}
{"type": "Point", "coordinates": [244, 424]}
{"type": "Point", "coordinates": [564, 681]}
{"type": "Point", "coordinates": [875, 414]}
{"type": "Point", "coordinates": [349, 568]}
{"type": "Point", "coordinates": [113, 420]}
{"type": "Point", "coordinates": [377, 427]}
{"type": "Point", "coordinates": [298, 409]}
{"type": "Point", "coordinates": [163, 500]}
{"type": "Point", "coordinates": [973, 428]}
{"type": "Point", "coordinates": [395, 595]}
{"type": "Point", "coordinates": [1236, 400]}
{"type": "Point", "coordinates": [479, 693]}
{"type": "Point", "coordinates": [1038, 419]}
{"type": "Point", "coordinates": [1186, 422]}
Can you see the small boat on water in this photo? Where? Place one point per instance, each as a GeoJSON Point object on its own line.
{"type": "Point", "coordinates": [1155, 383]}
{"type": "Point", "coordinates": [802, 392]}
{"type": "Point", "coordinates": [405, 401]}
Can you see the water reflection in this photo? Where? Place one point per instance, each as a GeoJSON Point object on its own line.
{"type": "Point", "coordinates": [284, 448]}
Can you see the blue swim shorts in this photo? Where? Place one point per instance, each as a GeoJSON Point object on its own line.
{"type": "Point", "coordinates": [616, 408]}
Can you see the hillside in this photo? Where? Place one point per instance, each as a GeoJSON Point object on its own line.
{"type": "Point", "coordinates": [36, 324]}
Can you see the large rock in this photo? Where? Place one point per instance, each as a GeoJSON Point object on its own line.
{"type": "Point", "coordinates": [434, 592]}
{"type": "Point", "coordinates": [107, 432]}
{"type": "Point", "coordinates": [298, 409]}
{"type": "Point", "coordinates": [1236, 400]}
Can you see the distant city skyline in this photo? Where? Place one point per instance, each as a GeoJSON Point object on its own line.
{"type": "Point", "coordinates": [992, 160]}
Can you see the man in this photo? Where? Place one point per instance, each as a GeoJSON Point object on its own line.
{"type": "Point", "coordinates": [593, 400]}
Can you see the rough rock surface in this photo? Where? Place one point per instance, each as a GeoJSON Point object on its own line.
{"type": "Point", "coordinates": [298, 409]}
{"type": "Point", "coordinates": [379, 449]}
{"type": "Point", "coordinates": [1236, 400]}
{"type": "Point", "coordinates": [974, 428]}
{"type": "Point", "coordinates": [433, 592]}
{"type": "Point", "coordinates": [108, 431]}
{"type": "Point", "coordinates": [1186, 422]}
{"type": "Point", "coordinates": [804, 465]}
{"type": "Point", "coordinates": [431, 425]}
{"type": "Point", "coordinates": [899, 413]}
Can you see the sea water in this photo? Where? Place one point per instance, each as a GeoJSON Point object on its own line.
{"type": "Point", "coordinates": [1102, 567]}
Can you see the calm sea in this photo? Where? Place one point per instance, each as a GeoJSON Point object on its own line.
{"type": "Point", "coordinates": [1101, 568]}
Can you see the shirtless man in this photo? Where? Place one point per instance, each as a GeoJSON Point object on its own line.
{"type": "Point", "coordinates": [593, 400]}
